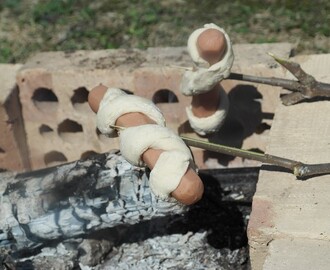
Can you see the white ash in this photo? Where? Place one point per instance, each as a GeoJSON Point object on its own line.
{"type": "Point", "coordinates": [177, 251]}
{"type": "Point", "coordinates": [60, 258]}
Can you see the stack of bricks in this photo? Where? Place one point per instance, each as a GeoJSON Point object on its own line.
{"type": "Point", "coordinates": [61, 127]}
{"type": "Point", "coordinates": [13, 149]}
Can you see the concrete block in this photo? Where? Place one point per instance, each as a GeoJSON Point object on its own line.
{"type": "Point", "coordinates": [284, 207]}
{"type": "Point", "coordinates": [162, 86]}
{"type": "Point", "coordinates": [54, 88]}
{"type": "Point", "coordinates": [13, 149]}
{"type": "Point", "coordinates": [302, 254]}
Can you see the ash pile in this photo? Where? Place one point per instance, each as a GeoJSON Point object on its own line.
{"type": "Point", "coordinates": [211, 235]}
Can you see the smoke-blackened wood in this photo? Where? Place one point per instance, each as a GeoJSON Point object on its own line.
{"type": "Point", "coordinates": [74, 199]}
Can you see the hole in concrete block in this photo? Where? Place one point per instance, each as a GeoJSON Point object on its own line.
{"type": "Point", "coordinates": [54, 157]}
{"type": "Point", "coordinates": [80, 95]}
{"type": "Point", "coordinates": [2, 151]}
{"type": "Point", "coordinates": [44, 129]}
{"type": "Point", "coordinates": [69, 126]}
{"type": "Point", "coordinates": [88, 154]}
{"type": "Point", "coordinates": [70, 130]}
{"type": "Point", "coordinates": [164, 96]}
{"type": "Point", "coordinates": [80, 98]}
{"type": "Point", "coordinates": [45, 100]}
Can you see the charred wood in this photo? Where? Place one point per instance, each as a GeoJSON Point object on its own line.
{"type": "Point", "coordinates": [74, 199]}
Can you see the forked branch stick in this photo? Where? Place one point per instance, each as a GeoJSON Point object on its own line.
{"type": "Point", "coordinates": [305, 87]}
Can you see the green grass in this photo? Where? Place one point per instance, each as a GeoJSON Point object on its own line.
{"type": "Point", "coordinates": [27, 27]}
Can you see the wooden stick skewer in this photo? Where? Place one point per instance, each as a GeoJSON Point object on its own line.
{"type": "Point", "coordinates": [298, 168]}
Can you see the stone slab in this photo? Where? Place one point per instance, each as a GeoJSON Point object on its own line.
{"type": "Point", "coordinates": [284, 207]}
{"type": "Point", "coordinates": [298, 253]}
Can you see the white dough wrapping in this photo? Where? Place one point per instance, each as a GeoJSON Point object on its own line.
{"type": "Point", "coordinates": [116, 103]}
{"type": "Point", "coordinates": [202, 79]}
{"type": "Point", "coordinates": [167, 173]}
{"type": "Point", "coordinates": [171, 165]}
{"type": "Point", "coordinates": [212, 123]}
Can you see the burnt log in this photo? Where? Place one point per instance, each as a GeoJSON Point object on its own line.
{"type": "Point", "coordinates": [74, 199]}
